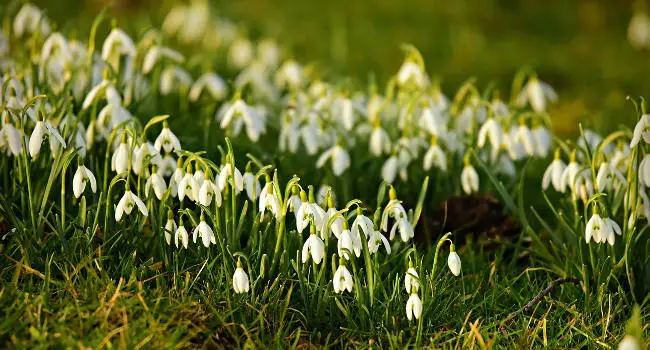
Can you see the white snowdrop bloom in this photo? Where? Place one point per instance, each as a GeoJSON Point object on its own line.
{"type": "Point", "coordinates": [204, 231]}
{"type": "Point", "coordinates": [362, 224]}
{"type": "Point", "coordinates": [181, 233]}
{"type": "Point", "coordinates": [609, 177]}
{"type": "Point", "coordinates": [126, 204]}
{"type": "Point", "coordinates": [240, 282]}
{"type": "Point", "coordinates": [156, 53]}
{"type": "Point", "coordinates": [405, 229]}
{"type": "Point", "coordinates": [344, 111]}
{"type": "Point", "coordinates": [289, 137]}
{"type": "Point", "coordinates": [176, 178]}
{"type": "Point", "coordinates": [110, 117]}
{"type": "Point", "coordinates": [174, 79]}
{"type": "Point", "coordinates": [156, 182]}
{"type": "Point", "coordinates": [56, 45]}
{"type": "Point", "coordinates": [569, 175]}
{"type": "Point", "coordinates": [595, 229]}
{"type": "Point", "coordinates": [411, 280]}
{"type": "Point", "coordinates": [491, 130]}
{"type": "Point", "coordinates": [325, 196]}
{"type": "Point", "coordinates": [167, 141]}
{"type": "Point", "coordinates": [340, 159]}
{"type": "Point", "coordinates": [42, 129]}
{"type": "Point", "coordinates": [612, 227]}
{"type": "Point", "coordinates": [313, 247]}
{"type": "Point", "coordinates": [469, 179]}
{"type": "Point", "coordinates": [584, 185]}
{"type": "Point", "coordinates": [375, 241]}
{"type": "Point", "coordinates": [268, 52]}
{"type": "Point", "coordinates": [553, 175]}
{"type": "Point", "coordinates": [641, 130]}
{"type": "Point", "coordinates": [81, 177]}
{"type": "Point", "coordinates": [542, 141]}
{"type": "Point", "coordinates": [29, 20]}
{"type": "Point", "coordinates": [240, 53]}
{"type": "Point", "coordinates": [210, 82]}
{"type": "Point", "coordinates": [435, 156]}
{"type": "Point", "coordinates": [593, 140]}
{"type": "Point", "coordinates": [142, 153]}
{"type": "Point", "coordinates": [269, 200]}
{"type": "Point", "coordinates": [410, 73]}
{"type": "Point", "coordinates": [226, 174]}
{"type": "Point", "coordinates": [306, 212]}
{"type": "Point", "coordinates": [433, 122]}
{"type": "Point", "coordinates": [638, 32]}
{"type": "Point", "coordinates": [644, 170]}
{"type": "Point", "coordinates": [289, 75]}
{"type": "Point", "coordinates": [170, 227]}
{"type": "Point", "coordinates": [342, 280]}
{"type": "Point", "coordinates": [11, 138]}
{"type": "Point", "coordinates": [104, 89]}
{"type": "Point", "coordinates": [537, 93]}
{"type": "Point", "coordinates": [188, 187]}
{"type": "Point", "coordinates": [335, 228]}
{"type": "Point", "coordinates": [393, 209]}
{"type": "Point", "coordinates": [379, 141]}
{"type": "Point", "coordinates": [413, 307]}
{"type": "Point", "coordinates": [512, 144]}
{"type": "Point", "coordinates": [348, 244]}
{"type": "Point", "coordinates": [526, 139]}
{"type": "Point", "coordinates": [500, 109]}
{"type": "Point", "coordinates": [120, 159]}
{"type": "Point", "coordinates": [252, 185]}
{"type": "Point", "coordinates": [309, 134]}
{"type": "Point", "coordinates": [189, 23]}
{"type": "Point", "coordinates": [629, 342]}
{"type": "Point", "coordinates": [389, 169]}
{"type": "Point", "coordinates": [116, 45]}
{"type": "Point", "coordinates": [240, 112]}
{"type": "Point", "coordinates": [208, 191]}
{"type": "Point", "coordinates": [453, 261]}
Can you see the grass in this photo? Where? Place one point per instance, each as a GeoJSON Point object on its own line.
{"type": "Point", "coordinates": [74, 277]}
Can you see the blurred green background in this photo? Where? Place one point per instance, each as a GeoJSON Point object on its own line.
{"type": "Point", "coordinates": [579, 47]}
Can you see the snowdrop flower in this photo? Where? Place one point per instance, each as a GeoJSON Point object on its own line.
{"type": "Point", "coordinates": [553, 174]}
{"type": "Point", "coordinates": [55, 46]}
{"type": "Point", "coordinates": [340, 159]}
{"type": "Point", "coordinates": [469, 179]}
{"type": "Point", "coordinates": [268, 200]}
{"type": "Point", "coordinates": [225, 176]}
{"type": "Point", "coordinates": [156, 53]}
{"type": "Point", "coordinates": [210, 82]}
{"type": "Point", "coordinates": [411, 280]}
{"type": "Point", "coordinates": [11, 138]}
{"type": "Point", "coordinates": [641, 130]}
{"type": "Point", "coordinates": [181, 233]}
{"type": "Point", "coordinates": [453, 261]}
{"type": "Point", "coordinates": [140, 155]}
{"type": "Point", "coordinates": [413, 307]}
{"type": "Point", "coordinates": [537, 93]}
{"type": "Point", "coordinates": [104, 89]}
{"type": "Point", "coordinates": [410, 73]}
{"type": "Point", "coordinates": [41, 130]}
{"type": "Point", "coordinates": [188, 186]}
{"type": "Point", "coordinates": [252, 185]}
{"type": "Point", "coordinates": [156, 182]}
{"type": "Point", "coordinates": [389, 169]}
{"type": "Point", "coordinates": [609, 177]}
{"type": "Point", "coordinates": [342, 280]}
{"type": "Point", "coordinates": [630, 342]}
{"type": "Point", "coordinates": [240, 282]}
{"type": "Point", "coordinates": [170, 227]}
{"type": "Point", "coordinates": [348, 244]}
{"type": "Point", "coordinates": [240, 112]}
{"type": "Point", "coordinates": [569, 174]}
{"type": "Point", "coordinates": [167, 140]}
{"type": "Point", "coordinates": [362, 224]}
{"type": "Point", "coordinates": [337, 225]}
{"type": "Point", "coordinates": [542, 141]}
{"type": "Point", "coordinates": [435, 156]}
{"type": "Point", "coordinates": [117, 44]}
{"type": "Point", "coordinates": [81, 177]}
{"type": "Point", "coordinates": [375, 240]}
{"type": "Point", "coordinates": [289, 75]}
{"type": "Point", "coordinates": [644, 170]}
{"type": "Point", "coordinates": [310, 138]}
{"type": "Point", "coordinates": [395, 210]}
{"type": "Point", "coordinates": [491, 130]}
{"type": "Point", "coordinates": [379, 141]}
{"type": "Point", "coordinates": [30, 19]}
{"type": "Point", "coordinates": [612, 227]}
{"type": "Point", "coordinates": [638, 32]}
{"type": "Point", "coordinates": [240, 53]}
{"type": "Point", "coordinates": [313, 247]}
{"type": "Point", "coordinates": [309, 211]}
{"type": "Point", "coordinates": [126, 204]}
{"type": "Point", "coordinates": [120, 159]}
{"type": "Point", "coordinates": [174, 78]}
{"type": "Point", "coordinates": [525, 138]}
{"type": "Point", "coordinates": [208, 191]}
{"type": "Point", "coordinates": [188, 23]}
{"type": "Point", "coordinates": [204, 231]}
{"type": "Point", "coordinates": [433, 122]}
{"type": "Point", "coordinates": [596, 228]}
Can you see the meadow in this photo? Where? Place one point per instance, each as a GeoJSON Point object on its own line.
{"type": "Point", "coordinates": [174, 178]}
